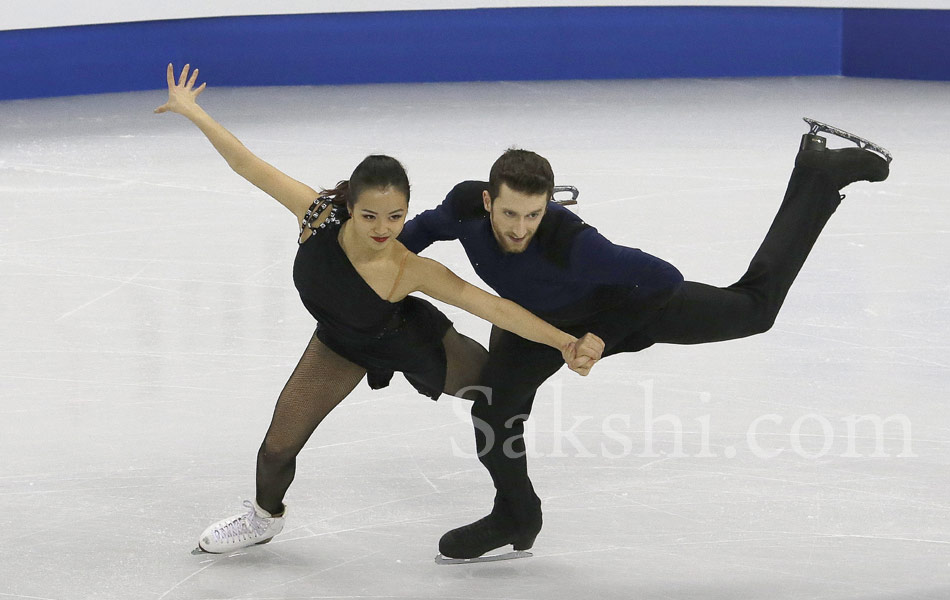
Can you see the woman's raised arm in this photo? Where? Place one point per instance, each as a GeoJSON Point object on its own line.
{"type": "Point", "coordinates": [182, 99]}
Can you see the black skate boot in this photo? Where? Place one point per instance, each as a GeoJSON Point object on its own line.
{"type": "Point", "coordinates": [867, 162]}
{"type": "Point", "coordinates": [498, 529]}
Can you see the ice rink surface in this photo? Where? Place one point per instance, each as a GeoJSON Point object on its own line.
{"type": "Point", "coordinates": [148, 321]}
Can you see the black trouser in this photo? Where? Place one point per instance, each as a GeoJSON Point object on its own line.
{"type": "Point", "coordinates": [695, 314]}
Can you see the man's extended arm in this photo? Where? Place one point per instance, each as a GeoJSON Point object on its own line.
{"type": "Point", "coordinates": [440, 223]}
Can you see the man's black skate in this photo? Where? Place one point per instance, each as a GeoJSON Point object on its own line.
{"type": "Point", "coordinates": [494, 531]}
{"type": "Point", "coordinates": [819, 127]}
{"type": "Point", "coordinates": [867, 162]}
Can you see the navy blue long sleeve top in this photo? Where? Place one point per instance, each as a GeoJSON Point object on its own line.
{"type": "Point", "coordinates": [568, 271]}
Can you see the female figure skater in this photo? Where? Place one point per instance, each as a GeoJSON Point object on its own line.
{"type": "Point", "coordinates": [354, 277]}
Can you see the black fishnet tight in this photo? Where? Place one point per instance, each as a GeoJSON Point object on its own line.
{"type": "Point", "coordinates": [464, 361]}
{"type": "Point", "coordinates": [321, 380]}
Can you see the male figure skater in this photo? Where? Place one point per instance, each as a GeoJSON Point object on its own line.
{"type": "Point", "coordinates": [542, 256]}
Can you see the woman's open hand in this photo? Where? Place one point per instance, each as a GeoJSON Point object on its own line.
{"type": "Point", "coordinates": [181, 95]}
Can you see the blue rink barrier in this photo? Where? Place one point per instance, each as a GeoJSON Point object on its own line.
{"type": "Point", "coordinates": [899, 44]}
{"type": "Point", "coordinates": [476, 45]}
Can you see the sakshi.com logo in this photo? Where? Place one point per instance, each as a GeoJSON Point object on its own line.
{"type": "Point", "coordinates": [648, 431]}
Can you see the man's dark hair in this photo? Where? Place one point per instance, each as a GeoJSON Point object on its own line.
{"type": "Point", "coordinates": [522, 171]}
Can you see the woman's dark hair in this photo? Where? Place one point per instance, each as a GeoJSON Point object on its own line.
{"type": "Point", "coordinates": [522, 171]}
{"type": "Point", "coordinates": [377, 171]}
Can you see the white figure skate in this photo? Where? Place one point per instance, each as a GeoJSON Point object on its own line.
{"type": "Point", "coordinates": [256, 526]}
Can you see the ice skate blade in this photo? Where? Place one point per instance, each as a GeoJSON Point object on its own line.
{"type": "Point", "coordinates": [819, 127]}
{"type": "Point", "coordinates": [199, 550]}
{"type": "Point", "coordinates": [562, 189]}
{"type": "Point", "coordinates": [442, 560]}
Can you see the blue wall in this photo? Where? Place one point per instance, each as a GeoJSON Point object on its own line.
{"type": "Point", "coordinates": [473, 45]}
{"type": "Point", "coordinates": [902, 44]}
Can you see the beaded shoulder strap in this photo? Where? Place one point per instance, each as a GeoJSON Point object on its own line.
{"type": "Point", "coordinates": [316, 209]}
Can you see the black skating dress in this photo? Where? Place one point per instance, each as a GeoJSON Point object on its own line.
{"type": "Point", "coordinates": [353, 321]}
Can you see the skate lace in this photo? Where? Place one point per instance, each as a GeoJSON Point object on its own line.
{"type": "Point", "coordinates": [247, 524]}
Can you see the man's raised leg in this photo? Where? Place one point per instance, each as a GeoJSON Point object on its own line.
{"type": "Point", "coordinates": [700, 313]}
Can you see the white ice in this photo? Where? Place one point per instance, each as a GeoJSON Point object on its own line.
{"type": "Point", "coordinates": [148, 321]}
